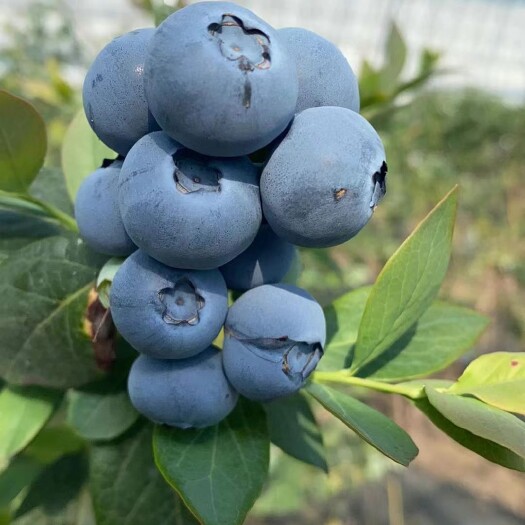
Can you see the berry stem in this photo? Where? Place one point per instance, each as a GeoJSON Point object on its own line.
{"type": "Point", "coordinates": [412, 391]}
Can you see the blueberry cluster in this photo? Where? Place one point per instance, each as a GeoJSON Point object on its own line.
{"type": "Point", "coordinates": [236, 142]}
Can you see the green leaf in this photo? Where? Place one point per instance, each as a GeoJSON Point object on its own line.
{"type": "Point", "coordinates": [105, 278]}
{"type": "Point", "coordinates": [23, 412]}
{"type": "Point", "coordinates": [50, 186]}
{"type": "Point", "coordinates": [442, 334]}
{"type": "Point", "coordinates": [23, 143]}
{"type": "Point", "coordinates": [52, 443]}
{"type": "Point", "coordinates": [82, 153]}
{"type": "Point", "coordinates": [19, 228]}
{"type": "Point", "coordinates": [369, 86]}
{"type": "Point", "coordinates": [408, 283]}
{"type": "Point", "coordinates": [19, 475]}
{"type": "Point", "coordinates": [101, 410]}
{"type": "Point", "coordinates": [485, 448]}
{"type": "Point", "coordinates": [21, 203]}
{"type": "Point", "coordinates": [23, 227]}
{"type": "Point", "coordinates": [100, 415]}
{"type": "Point", "coordinates": [293, 428]}
{"type": "Point", "coordinates": [497, 379]}
{"type": "Point", "coordinates": [481, 419]}
{"type": "Point", "coordinates": [342, 324]}
{"type": "Point", "coordinates": [48, 446]}
{"type": "Point", "coordinates": [218, 471]}
{"type": "Point", "coordinates": [45, 289]}
{"type": "Point", "coordinates": [372, 426]}
{"type": "Point", "coordinates": [29, 205]}
{"type": "Point", "coordinates": [127, 489]}
{"type": "Point", "coordinates": [56, 498]}
{"type": "Point", "coordinates": [395, 57]}
{"type": "Point", "coordinates": [427, 69]}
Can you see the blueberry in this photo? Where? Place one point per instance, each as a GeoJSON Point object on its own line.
{"type": "Point", "coordinates": [325, 77]}
{"type": "Point", "coordinates": [167, 313]}
{"type": "Point", "coordinates": [97, 212]}
{"type": "Point", "coordinates": [323, 182]}
{"type": "Point", "coordinates": [113, 93]}
{"type": "Point", "coordinates": [187, 210]}
{"type": "Point", "coordinates": [184, 393]}
{"type": "Point", "coordinates": [218, 79]}
{"type": "Point", "coordinates": [274, 338]}
{"type": "Point", "coordinates": [266, 261]}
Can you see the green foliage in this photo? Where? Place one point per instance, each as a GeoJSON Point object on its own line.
{"type": "Point", "coordinates": [407, 285]}
{"type": "Point", "coordinates": [497, 379]}
{"type": "Point", "coordinates": [27, 208]}
{"type": "Point", "coordinates": [418, 326]}
{"type": "Point", "coordinates": [381, 87]}
{"type": "Point", "coordinates": [127, 489]}
{"type": "Point", "coordinates": [56, 497]}
{"type": "Point", "coordinates": [22, 143]}
{"type": "Point", "coordinates": [101, 415]}
{"type": "Point", "coordinates": [219, 472]}
{"type": "Point", "coordinates": [484, 447]}
{"type": "Point", "coordinates": [293, 428]}
{"type": "Point", "coordinates": [105, 278]}
{"type": "Point", "coordinates": [441, 335]}
{"type": "Point", "coordinates": [22, 472]}
{"type": "Point", "coordinates": [50, 188]}
{"type": "Point", "coordinates": [375, 428]}
{"type": "Point", "coordinates": [21, 225]}
{"type": "Point", "coordinates": [36, 58]}
{"type": "Point", "coordinates": [52, 443]}
{"type": "Point", "coordinates": [23, 413]}
{"type": "Point", "coordinates": [342, 323]}
{"type": "Point", "coordinates": [394, 59]}
{"type": "Point", "coordinates": [45, 287]}
{"type": "Point", "coordinates": [482, 420]}
{"type": "Point", "coordinates": [49, 446]}
{"type": "Point", "coordinates": [82, 152]}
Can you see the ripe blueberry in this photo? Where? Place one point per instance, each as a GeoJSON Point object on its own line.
{"type": "Point", "coordinates": [322, 184]}
{"type": "Point", "coordinates": [187, 210]}
{"type": "Point", "coordinates": [113, 93]}
{"type": "Point", "coordinates": [167, 313]}
{"type": "Point", "coordinates": [325, 77]}
{"type": "Point", "coordinates": [184, 393]}
{"type": "Point", "coordinates": [274, 337]}
{"type": "Point", "coordinates": [98, 215]}
{"type": "Point", "coordinates": [266, 261]}
{"type": "Point", "coordinates": [218, 79]}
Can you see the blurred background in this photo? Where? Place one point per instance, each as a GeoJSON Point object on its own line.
{"type": "Point", "coordinates": [443, 81]}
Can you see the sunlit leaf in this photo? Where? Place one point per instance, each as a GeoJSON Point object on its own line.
{"type": "Point", "coordinates": [23, 412]}
{"type": "Point", "coordinates": [408, 283]}
{"type": "Point", "coordinates": [498, 379]}
{"type": "Point", "coordinates": [442, 334]}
